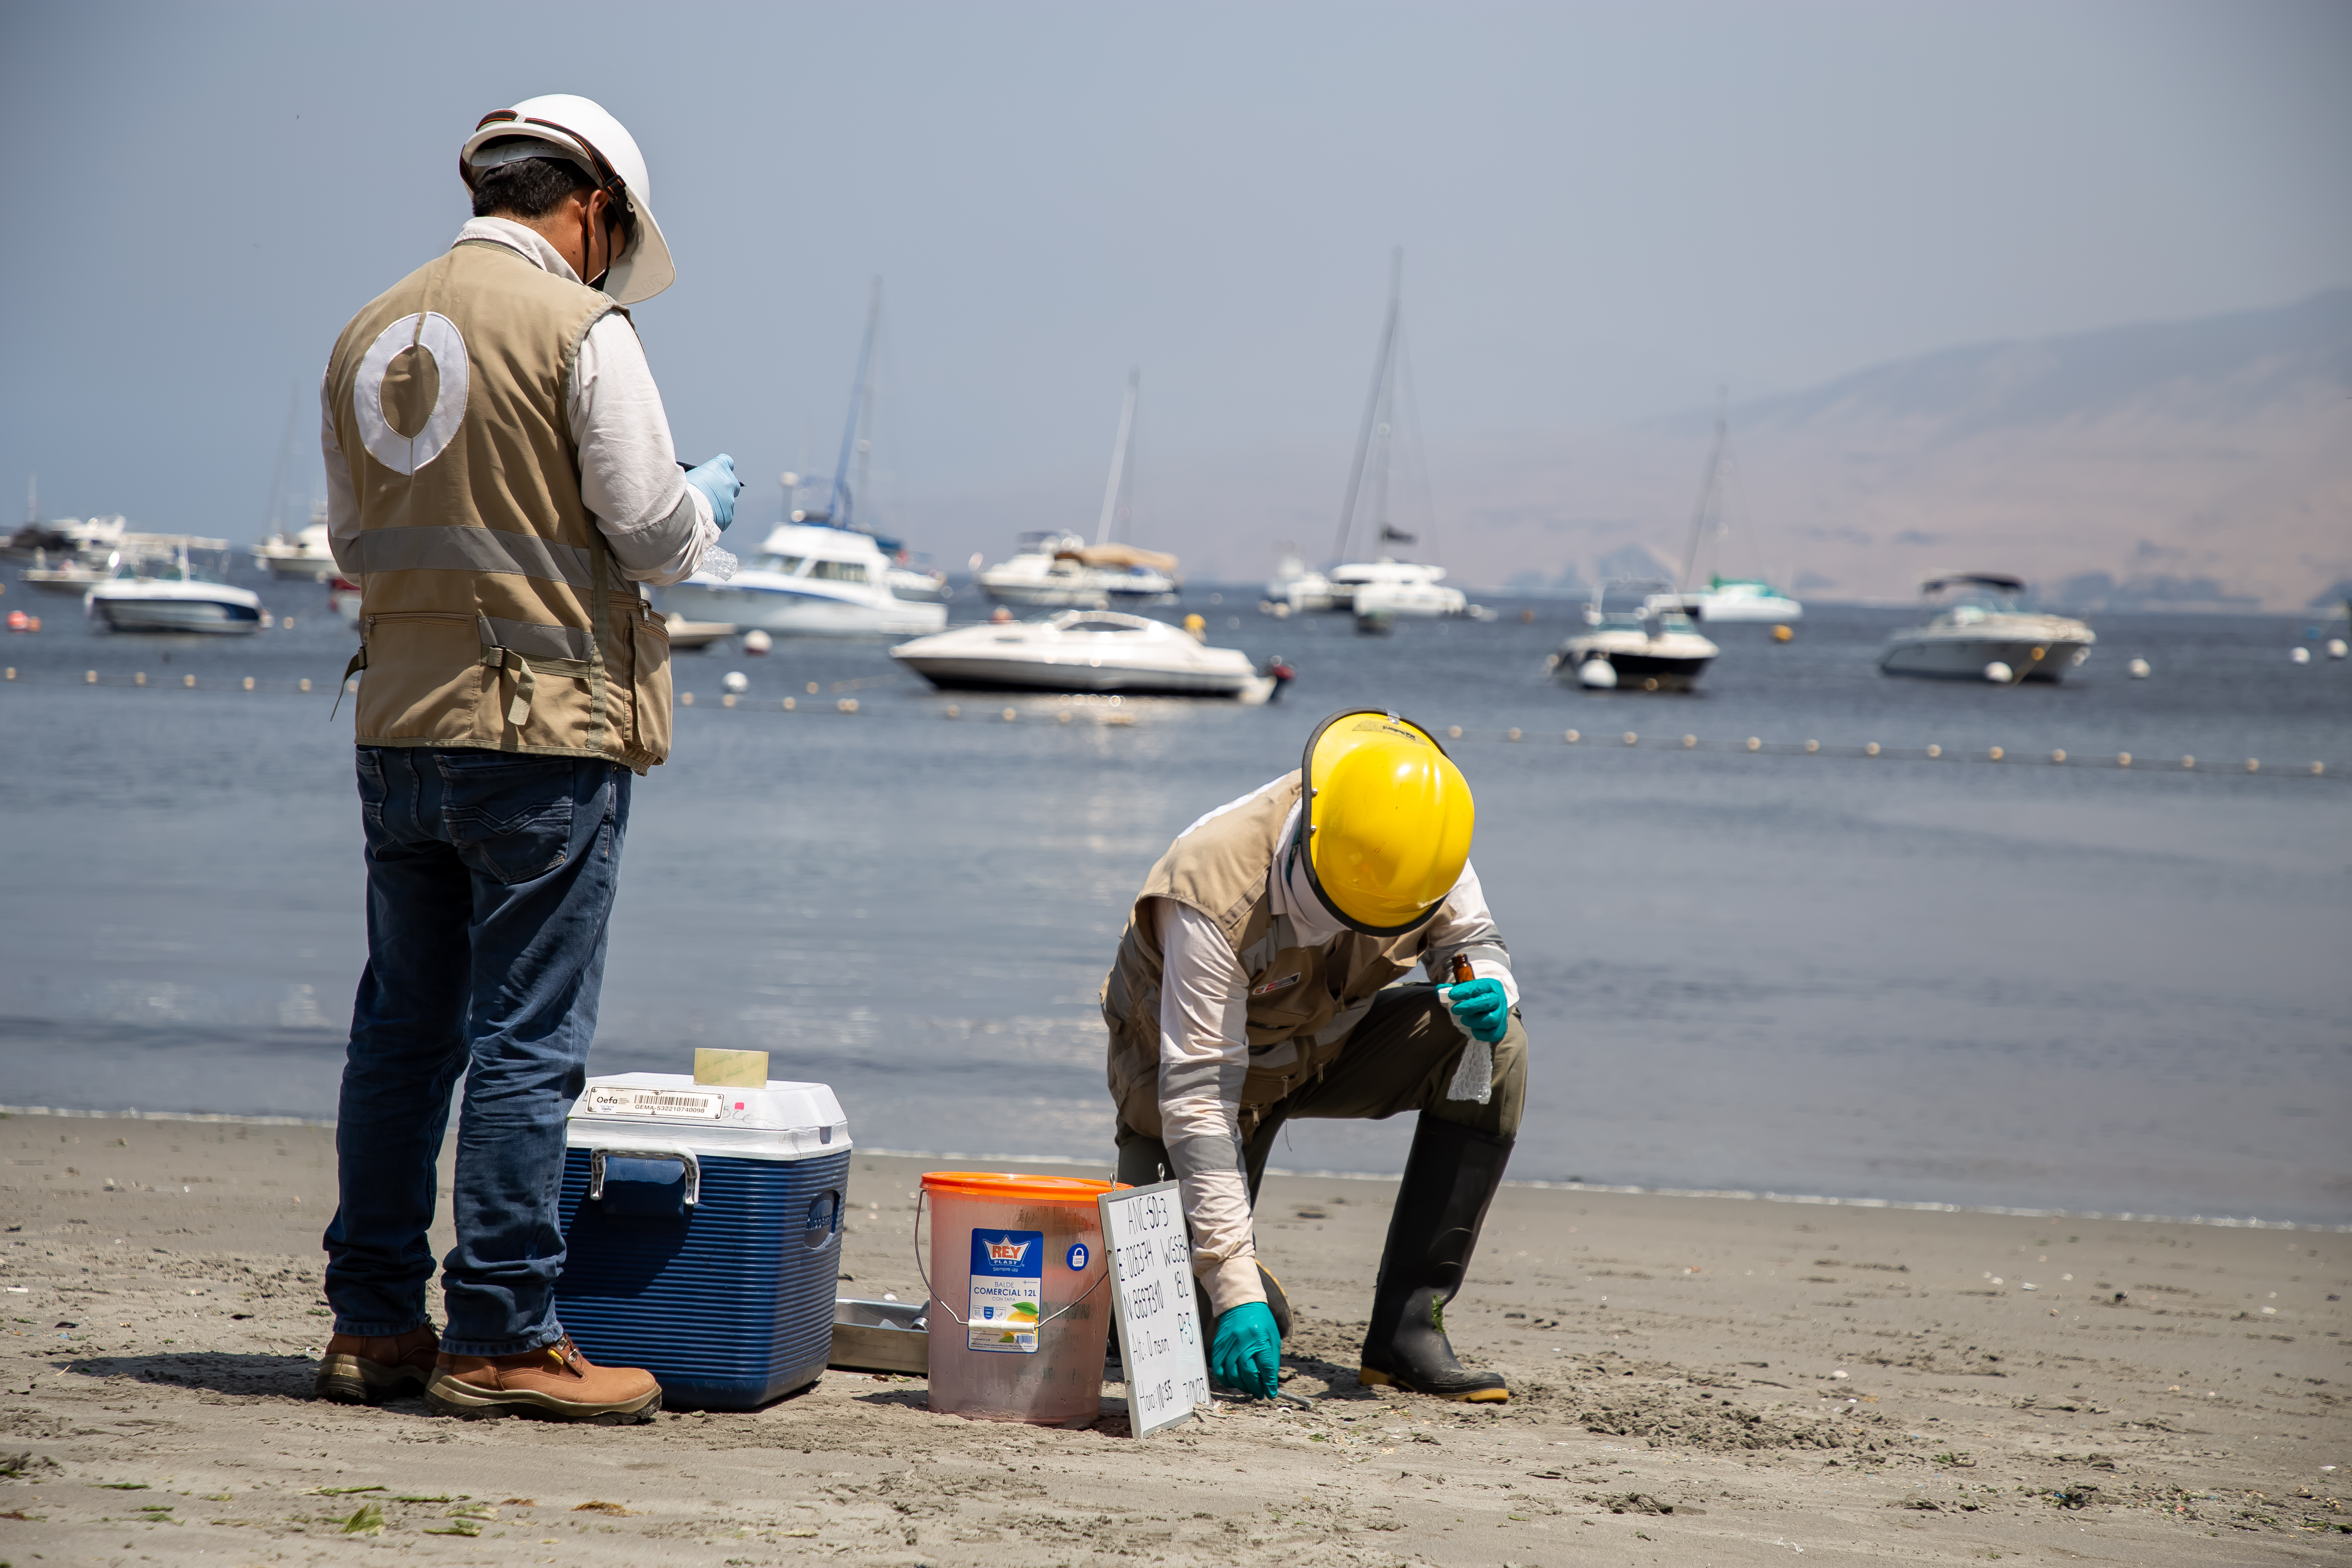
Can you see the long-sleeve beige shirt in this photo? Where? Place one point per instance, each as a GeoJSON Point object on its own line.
{"type": "Point", "coordinates": [1203, 1008]}
{"type": "Point", "coordinates": [659, 525]}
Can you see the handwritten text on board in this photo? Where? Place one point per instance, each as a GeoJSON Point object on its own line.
{"type": "Point", "coordinates": [1160, 1338]}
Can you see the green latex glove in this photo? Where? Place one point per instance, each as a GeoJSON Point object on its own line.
{"type": "Point", "coordinates": [1246, 1352]}
{"type": "Point", "coordinates": [1481, 1006]}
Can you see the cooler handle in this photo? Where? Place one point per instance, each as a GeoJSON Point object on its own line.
{"type": "Point", "coordinates": [596, 1169]}
{"type": "Point", "coordinates": [920, 1199]}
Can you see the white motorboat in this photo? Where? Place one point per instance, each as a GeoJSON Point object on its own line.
{"type": "Point", "coordinates": [1296, 588]}
{"type": "Point", "coordinates": [1745, 601]}
{"type": "Point", "coordinates": [1096, 651]}
{"type": "Point", "coordinates": [1976, 631]}
{"type": "Point", "coordinates": [304, 557]}
{"type": "Point", "coordinates": [1390, 587]}
{"type": "Point", "coordinates": [147, 595]}
{"type": "Point", "coordinates": [86, 539]}
{"type": "Point", "coordinates": [71, 574]}
{"type": "Point", "coordinates": [1062, 571]}
{"type": "Point", "coordinates": [808, 580]}
{"type": "Point", "coordinates": [1653, 647]}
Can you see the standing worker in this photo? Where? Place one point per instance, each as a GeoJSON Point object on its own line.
{"type": "Point", "coordinates": [1252, 985]}
{"type": "Point", "coordinates": [500, 480]}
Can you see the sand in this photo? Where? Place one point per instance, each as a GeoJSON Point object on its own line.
{"type": "Point", "coordinates": [1700, 1380]}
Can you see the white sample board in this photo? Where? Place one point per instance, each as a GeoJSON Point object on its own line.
{"type": "Point", "coordinates": [1161, 1341]}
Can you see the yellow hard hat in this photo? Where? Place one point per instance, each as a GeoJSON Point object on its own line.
{"type": "Point", "coordinates": [1388, 820]}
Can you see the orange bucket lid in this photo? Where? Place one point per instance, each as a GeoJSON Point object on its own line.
{"type": "Point", "coordinates": [1027, 1189]}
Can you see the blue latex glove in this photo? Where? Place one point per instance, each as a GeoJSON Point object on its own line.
{"type": "Point", "coordinates": [716, 480]}
{"type": "Point", "coordinates": [1247, 1350]}
{"type": "Point", "coordinates": [1481, 1006]}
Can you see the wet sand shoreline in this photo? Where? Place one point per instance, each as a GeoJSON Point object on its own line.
{"type": "Point", "coordinates": [1877, 1381]}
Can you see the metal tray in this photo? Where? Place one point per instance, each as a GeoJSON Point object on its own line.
{"type": "Point", "coordinates": [880, 1336]}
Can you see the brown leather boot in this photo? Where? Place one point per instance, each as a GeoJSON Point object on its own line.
{"type": "Point", "coordinates": [554, 1381]}
{"type": "Point", "coordinates": [359, 1370]}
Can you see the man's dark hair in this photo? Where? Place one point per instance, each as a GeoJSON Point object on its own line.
{"type": "Point", "coordinates": [529, 188]}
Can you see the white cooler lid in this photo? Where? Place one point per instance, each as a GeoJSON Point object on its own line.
{"type": "Point", "coordinates": [670, 1110]}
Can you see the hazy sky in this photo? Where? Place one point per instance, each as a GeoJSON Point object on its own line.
{"type": "Point", "coordinates": [1606, 211]}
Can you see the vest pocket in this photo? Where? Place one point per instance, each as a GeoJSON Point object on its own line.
{"type": "Point", "coordinates": [425, 678]}
{"type": "Point", "coordinates": [649, 684]}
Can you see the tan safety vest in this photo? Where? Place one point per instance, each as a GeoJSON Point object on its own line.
{"type": "Point", "coordinates": [1306, 997]}
{"type": "Point", "coordinates": [491, 611]}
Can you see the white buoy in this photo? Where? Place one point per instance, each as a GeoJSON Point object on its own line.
{"type": "Point", "coordinates": [2336, 648]}
{"type": "Point", "coordinates": [757, 642]}
{"type": "Point", "coordinates": [1998, 673]}
{"type": "Point", "coordinates": [737, 681]}
{"type": "Point", "coordinates": [2300, 656]}
{"type": "Point", "coordinates": [2138, 668]}
{"type": "Point", "coordinates": [1597, 675]}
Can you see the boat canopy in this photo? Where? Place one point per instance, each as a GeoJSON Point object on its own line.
{"type": "Point", "coordinates": [2000, 580]}
{"type": "Point", "coordinates": [1118, 557]}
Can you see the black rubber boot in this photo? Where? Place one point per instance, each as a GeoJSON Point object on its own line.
{"type": "Point", "coordinates": [1449, 1179]}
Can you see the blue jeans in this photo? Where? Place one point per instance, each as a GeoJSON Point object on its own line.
{"type": "Point", "coordinates": [491, 880]}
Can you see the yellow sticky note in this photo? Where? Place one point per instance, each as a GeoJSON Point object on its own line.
{"type": "Point", "coordinates": [732, 1069]}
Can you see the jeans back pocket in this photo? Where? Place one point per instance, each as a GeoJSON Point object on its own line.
{"type": "Point", "coordinates": [507, 816]}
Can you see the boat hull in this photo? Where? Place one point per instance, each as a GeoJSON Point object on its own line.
{"type": "Point", "coordinates": [1669, 662]}
{"type": "Point", "coordinates": [65, 584]}
{"type": "Point", "coordinates": [794, 612]}
{"type": "Point", "coordinates": [1965, 657]}
{"type": "Point", "coordinates": [973, 674]}
{"type": "Point", "coordinates": [215, 617]}
{"type": "Point", "coordinates": [298, 568]}
{"type": "Point", "coordinates": [1725, 610]}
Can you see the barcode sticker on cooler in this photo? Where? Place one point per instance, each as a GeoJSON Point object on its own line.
{"type": "Point", "coordinates": [609, 1100]}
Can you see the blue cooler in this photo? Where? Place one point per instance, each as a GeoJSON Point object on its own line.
{"type": "Point", "coordinates": [704, 1233]}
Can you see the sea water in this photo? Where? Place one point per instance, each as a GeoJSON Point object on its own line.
{"type": "Point", "coordinates": [2019, 983]}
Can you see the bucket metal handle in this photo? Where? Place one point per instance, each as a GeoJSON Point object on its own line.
{"type": "Point", "coordinates": [596, 1169]}
{"type": "Point", "coordinates": [923, 1197]}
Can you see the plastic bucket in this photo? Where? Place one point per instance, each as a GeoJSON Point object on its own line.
{"type": "Point", "coordinates": [1017, 1312]}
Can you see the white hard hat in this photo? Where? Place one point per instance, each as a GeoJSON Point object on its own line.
{"type": "Point", "coordinates": [581, 129]}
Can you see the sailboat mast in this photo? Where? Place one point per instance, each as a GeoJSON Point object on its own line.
{"type": "Point", "coordinates": [270, 522]}
{"type": "Point", "coordinates": [842, 505]}
{"type": "Point", "coordinates": [1706, 487]}
{"type": "Point", "coordinates": [1371, 403]}
{"type": "Point", "coordinates": [33, 499]}
{"type": "Point", "coordinates": [1119, 452]}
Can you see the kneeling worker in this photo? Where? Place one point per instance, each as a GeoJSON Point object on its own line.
{"type": "Point", "coordinates": [1249, 989]}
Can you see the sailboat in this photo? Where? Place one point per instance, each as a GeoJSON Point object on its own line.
{"type": "Point", "coordinates": [819, 574]}
{"type": "Point", "coordinates": [1724, 600]}
{"type": "Point", "coordinates": [1058, 570]}
{"type": "Point", "coordinates": [1384, 587]}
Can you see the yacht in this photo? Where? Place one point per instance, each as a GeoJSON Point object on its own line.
{"type": "Point", "coordinates": [1725, 601]}
{"type": "Point", "coordinates": [70, 575]}
{"type": "Point", "coordinates": [809, 579]}
{"type": "Point", "coordinates": [821, 573]}
{"type": "Point", "coordinates": [1975, 623]}
{"type": "Point", "coordinates": [1099, 651]}
{"type": "Point", "coordinates": [1382, 589]}
{"type": "Point", "coordinates": [172, 594]}
{"type": "Point", "coordinates": [1055, 570]}
{"type": "Point", "coordinates": [1652, 647]}
{"type": "Point", "coordinates": [1390, 587]}
{"type": "Point", "coordinates": [1296, 588]}
{"type": "Point", "coordinates": [304, 557]}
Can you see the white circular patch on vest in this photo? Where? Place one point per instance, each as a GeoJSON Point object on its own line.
{"type": "Point", "coordinates": [438, 337]}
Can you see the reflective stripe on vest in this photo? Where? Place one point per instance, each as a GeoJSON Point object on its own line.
{"type": "Point", "coordinates": [456, 548]}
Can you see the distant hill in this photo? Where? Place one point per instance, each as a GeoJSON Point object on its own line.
{"type": "Point", "coordinates": [2203, 464]}
{"type": "Point", "coordinates": [2198, 464]}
